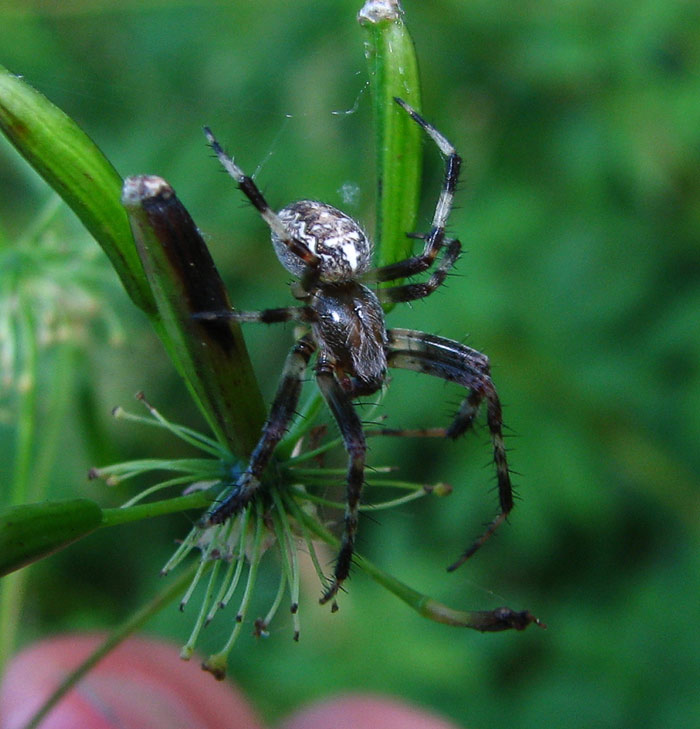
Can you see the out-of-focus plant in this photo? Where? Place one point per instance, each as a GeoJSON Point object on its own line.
{"type": "Point", "coordinates": [52, 311]}
{"type": "Point", "coordinates": [166, 269]}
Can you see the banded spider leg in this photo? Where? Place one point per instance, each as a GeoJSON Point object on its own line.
{"type": "Point", "coordinates": [449, 360]}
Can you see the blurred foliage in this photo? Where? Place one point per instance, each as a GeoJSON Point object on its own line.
{"type": "Point", "coordinates": [579, 124]}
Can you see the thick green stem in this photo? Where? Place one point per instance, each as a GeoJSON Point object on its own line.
{"type": "Point", "coordinates": [210, 355]}
{"type": "Point", "coordinates": [393, 71]}
{"type": "Point", "coordinates": [30, 532]}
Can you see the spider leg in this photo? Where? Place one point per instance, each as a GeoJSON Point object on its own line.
{"type": "Point", "coordinates": [266, 316]}
{"type": "Point", "coordinates": [435, 238]}
{"type": "Point", "coordinates": [281, 412]}
{"type": "Point", "coordinates": [275, 223]}
{"type": "Point", "coordinates": [455, 362]}
{"type": "Point", "coordinates": [413, 291]}
{"type": "Point", "coordinates": [341, 406]}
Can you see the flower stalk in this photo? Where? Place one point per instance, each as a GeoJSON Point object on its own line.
{"type": "Point", "coordinates": [210, 354]}
{"type": "Point", "coordinates": [393, 71]}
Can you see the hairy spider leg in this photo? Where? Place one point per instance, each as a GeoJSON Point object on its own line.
{"type": "Point", "coordinates": [340, 404]}
{"type": "Point", "coordinates": [413, 291]}
{"type": "Point", "coordinates": [266, 316]}
{"type": "Point", "coordinates": [275, 223]}
{"type": "Point", "coordinates": [281, 412]}
{"type": "Point", "coordinates": [435, 238]}
{"type": "Point", "coordinates": [433, 355]}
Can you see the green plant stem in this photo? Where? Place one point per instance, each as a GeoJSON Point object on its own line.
{"type": "Point", "coordinates": [26, 415]}
{"type": "Point", "coordinates": [60, 390]}
{"type": "Point", "coordinates": [12, 587]}
{"type": "Point", "coordinates": [196, 500]}
{"type": "Point", "coordinates": [138, 619]}
{"type": "Point", "coordinates": [11, 594]}
{"type": "Point", "coordinates": [393, 71]}
{"type": "Point", "coordinates": [29, 532]}
{"type": "Point", "coordinates": [211, 356]}
{"type": "Point", "coordinates": [482, 620]}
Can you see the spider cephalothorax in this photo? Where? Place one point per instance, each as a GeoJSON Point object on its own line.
{"type": "Point", "coordinates": [330, 254]}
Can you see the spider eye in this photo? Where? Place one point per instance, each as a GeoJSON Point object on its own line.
{"type": "Point", "coordinates": [338, 240]}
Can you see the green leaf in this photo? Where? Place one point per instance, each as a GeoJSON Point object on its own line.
{"type": "Point", "coordinates": [211, 355]}
{"type": "Point", "coordinates": [32, 531]}
{"type": "Point", "coordinates": [61, 152]}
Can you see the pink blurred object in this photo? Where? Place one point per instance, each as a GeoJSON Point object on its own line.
{"type": "Point", "coordinates": [363, 712]}
{"type": "Point", "coordinates": [142, 684]}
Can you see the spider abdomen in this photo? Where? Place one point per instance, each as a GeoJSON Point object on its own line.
{"type": "Point", "coordinates": [344, 249]}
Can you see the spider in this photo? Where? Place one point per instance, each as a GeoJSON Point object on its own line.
{"type": "Point", "coordinates": [331, 256]}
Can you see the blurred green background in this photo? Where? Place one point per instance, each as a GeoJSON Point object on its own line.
{"type": "Point", "coordinates": [579, 212]}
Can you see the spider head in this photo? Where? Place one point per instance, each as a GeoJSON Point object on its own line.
{"type": "Point", "coordinates": [344, 249]}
